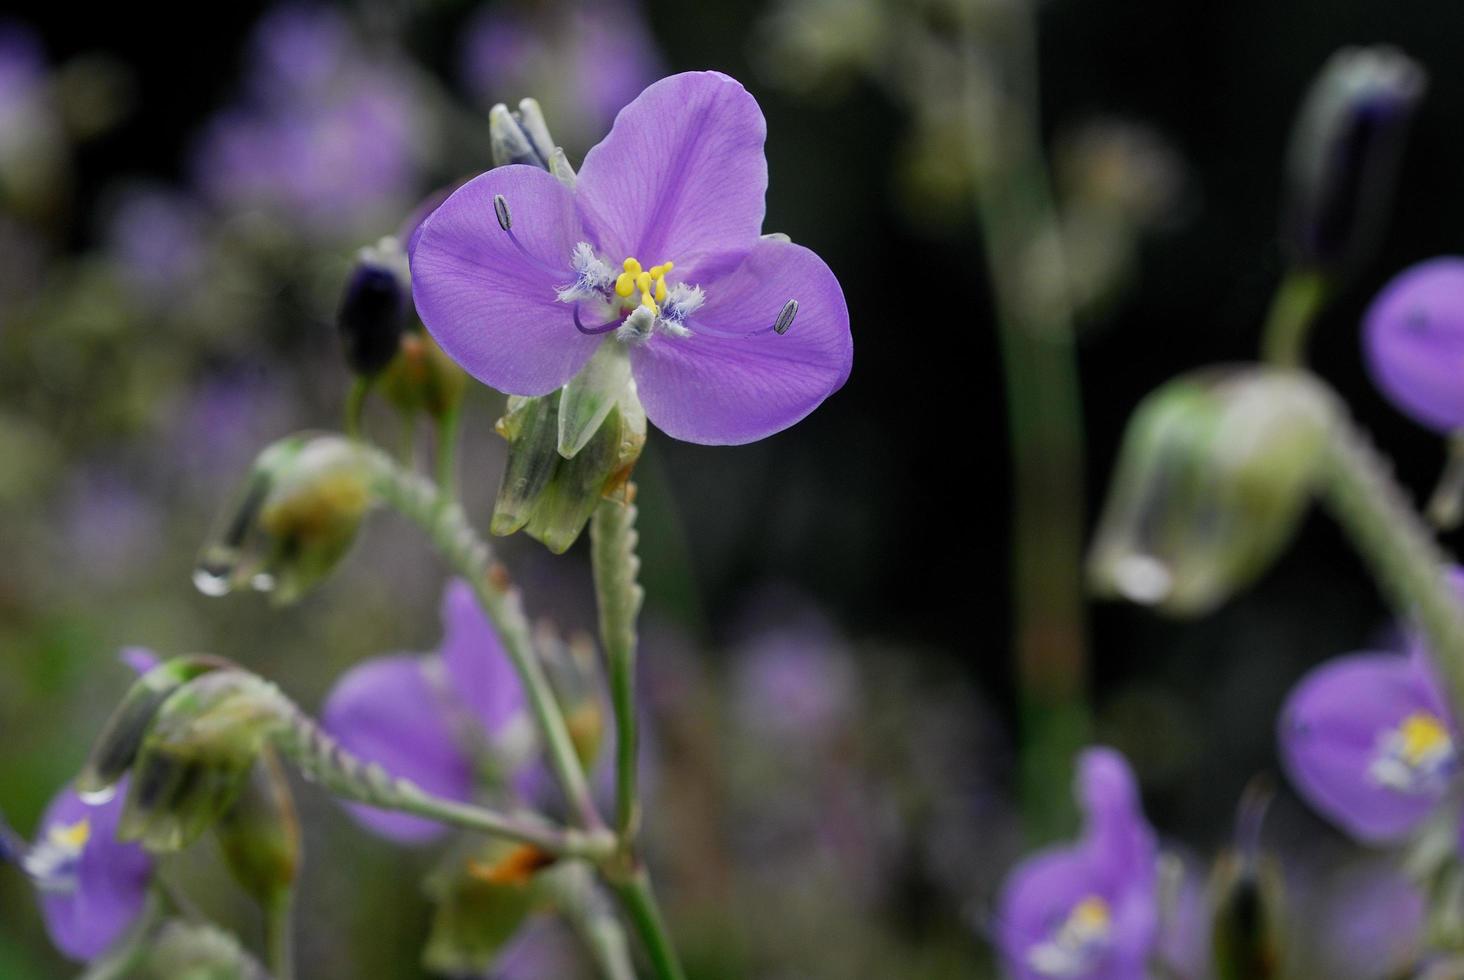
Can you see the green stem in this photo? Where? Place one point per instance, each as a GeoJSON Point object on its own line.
{"type": "Point", "coordinates": [640, 904]}
{"type": "Point", "coordinates": [1446, 505]}
{"type": "Point", "coordinates": [618, 595]}
{"type": "Point", "coordinates": [447, 439]}
{"type": "Point", "coordinates": [356, 406]}
{"type": "Point", "coordinates": [280, 934]}
{"type": "Point", "coordinates": [589, 912]}
{"type": "Point", "coordinates": [323, 760]}
{"type": "Point", "coordinates": [1298, 300]}
{"type": "Point", "coordinates": [470, 557]}
{"type": "Point", "coordinates": [1409, 566]}
{"type": "Point", "coordinates": [1044, 416]}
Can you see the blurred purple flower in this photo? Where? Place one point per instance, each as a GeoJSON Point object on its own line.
{"type": "Point", "coordinates": [111, 528]}
{"type": "Point", "coordinates": [1369, 742]}
{"type": "Point", "coordinates": [92, 887]}
{"type": "Point", "coordinates": [327, 136]}
{"type": "Point", "coordinates": [1372, 923]}
{"type": "Point", "coordinates": [793, 680]}
{"type": "Point", "coordinates": [156, 237]}
{"type": "Point", "coordinates": [22, 70]}
{"type": "Point", "coordinates": [680, 182]}
{"type": "Point", "coordinates": [581, 60]}
{"type": "Point", "coordinates": [540, 948]}
{"type": "Point", "coordinates": [1414, 340]}
{"type": "Point", "coordinates": [432, 718]}
{"type": "Point", "coordinates": [1087, 910]}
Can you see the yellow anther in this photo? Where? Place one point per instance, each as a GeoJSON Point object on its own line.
{"type": "Point", "coordinates": [643, 282]}
{"type": "Point", "coordinates": [73, 837]}
{"type": "Point", "coordinates": [667, 267]}
{"type": "Point", "coordinates": [633, 267]}
{"type": "Point", "coordinates": [1421, 737]}
{"type": "Point", "coordinates": [657, 271]}
{"type": "Point", "coordinates": [661, 289]}
{"type": "Point", "coordinates": [650, 283]}
{"type": "Point", "coordinates": [1090, 915]}
{"type": "Point", "coordinates": [625, 282]}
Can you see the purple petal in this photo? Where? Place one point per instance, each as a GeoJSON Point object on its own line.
{"type": "Point", "coordinates": [492, 308]}
{"type": "Point", "coordinates": [681, 176]}
{"type": "Point", "coordinates": [386, 710]}
{"type": "Point", "coordinates": [1414, 339]}
{"type": "Point", "coordinates": [112, 879]}
{"type": "Point", "coordinates": [1330, 729]}
{"type": "Point", "coordinates": [1115, 831]}
{"type": "Point", "coordinates": [731, 390]}
{"type": "Point", "coordinates": [140, 659]}
{"type": "Point", "coordinates": [477, 666]}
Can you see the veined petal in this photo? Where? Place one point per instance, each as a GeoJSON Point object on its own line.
{"type": "Point", "coordinates": [682, 174]}
{"type": "Point", "coordinates": [477, 666]}
{"type": "Point", "coordinates": [1332, 728]}
{"type": "Point", "coordinates": [112, 879]}
{"type": "Point", "coordinates": [387, 711]}
{"type": "Point", "coordinates": [490, 305]}
{"type": "Point", "coordinates": [728, 390]}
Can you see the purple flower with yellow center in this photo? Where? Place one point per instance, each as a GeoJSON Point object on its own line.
{"type": "Point", "coordinates": [92, 887]}
{"type": "Point", "coordinates": [1368, 740]}
{"type": "Point", "coordinates": [1414, 341]}
{"type": "Point", "coordinates": [443, 720]}
{"type": "Point", "coordinates": [731, 335]}
{"type": "Point", "coordinates": [1088, 910]}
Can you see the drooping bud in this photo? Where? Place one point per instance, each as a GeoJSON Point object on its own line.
{"type": "Point", "coordinates": [423, 379]}
{"type": "Point", "coordinates": [196, 754]}
{"type": "Point", "coordinates": [1344, 154]}
{"type": "Point", "coordinates": [296, 517]}
{"type": "Point", "coordinates": [116, 747]}
{"type": "Point", "coordinates": [202, 951]}
{"type": "Point", "coordinates": [483, 890]}
{"type": "Point", "coordinates": [260, 834]}
{"type": "Point", "coordinates": [374, 308]}
{"type": "Point", "coordinates": [1215, 471]}
{"type": "Point", "coordinates": [567, 450]}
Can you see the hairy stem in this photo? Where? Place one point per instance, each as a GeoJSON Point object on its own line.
{"type": "Point", "coordinates": [1044, 417]}
{"type": "Point", "coordinates": [322, 759]}
{"type": "Point", "coordinates": [470, 557]}
{"type": "Point", "coordinates": [618, 594]}
{"type": "Point", "coordinates": [640, 904]}
{"type": "Point", "coordinates": [1359, 489]}
{"type": "Point", "coordinates": [1294, 309]}
{"type": "Point", "coordinates": [447, 438]}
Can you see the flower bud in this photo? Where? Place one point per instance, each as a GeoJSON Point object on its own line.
{"type": "Point", "coordinates": [196, 754]}
{"type": "Point", "coordinates": [1215, 471]}
{"type": "Point", "coordinates": [483, 891]}
{"type": "Point", "coordinates": [296, 517]}
{"type": "Point", "coordinates": [556, 473]}
{"type": "Point", "coordinates": [1345, 149]}
{"type": "Point", "coordinates": [423, 379]}
{"type": "Point", "coordinates": [200, 950]}
{"type": "Point", "coordinates": [260, 834]}
{"type": "Point", "coordinates": [374, 307]}
{"type": "Point", "coordinates": [116, 747]}
{"type": "Point", "coordinates": [520, 137]}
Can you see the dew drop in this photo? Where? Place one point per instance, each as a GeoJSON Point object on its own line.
{"type": "Point", "coordinates": [1143, 579]}
{"type": "Point", "coordinates": [210, 581]}
{"type": "Point", "coordinates": [99, 797]}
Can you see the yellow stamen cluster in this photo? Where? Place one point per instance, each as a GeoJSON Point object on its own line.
{"type": "Point", "coordinates": [72, 837]}
{"type": "Point", "coordinates": [1421, 737]}
{"type": "Point", "coordinates": [1090, 916]}
{"type": "Point", "coordinates": [650, 283]}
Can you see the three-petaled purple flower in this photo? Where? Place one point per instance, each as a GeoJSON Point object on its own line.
{"type": "Point", "coordinates": [1369, 740]}
{"type": "Point", "coordinates": [1087, 910]}
{"type": "Point", "coordinates": [1414, 340]}
{"type": "Point", "coordinates": [443, 720]}
{"type": "Point", "coordinates": [732, 336]}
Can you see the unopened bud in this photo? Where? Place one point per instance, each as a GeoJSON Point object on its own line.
{"type": "Point", "coordinates": [194, 759]}
{"type": "Point", "coordinates": [374, 308]}
{"type": "Point", "coordinates": [1247, 896]}
{"type": "Point", "coordinates": [1215, 471]}
{"type": "Point", "coordinates": [423, 378]}
{"type": "Point", "coordinates": [567, 451]}
{"type": "Point", "coordinates": [296, 517]}
{"type": "Point", "coordinates": [1345, 149]}
{"type": "Point", "coordinates": [482, 891]}
{"type": "Point", "coordinates": [517, 139]}
{"type": "Point", "coordinates": [260, 833]}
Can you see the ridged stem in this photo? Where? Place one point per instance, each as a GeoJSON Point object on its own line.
{"type": "Point", "coordinates": [619, 595]}
{"type": "Point", "coordinates": [417, 499]}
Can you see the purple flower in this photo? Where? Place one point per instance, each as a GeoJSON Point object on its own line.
{"type": "Point", "coordinates": [1369, 742]}
{"type": "Point", "coordinates": [433, 719]}
{"type": "Point", "coordinates": [157, 238]}
{"type": "Point", "coordinates": [1414, 340]}
{"type": "Point", "coordinates": [1087, 910]}
{"type": "Point", "coordinates": [92, 887]}
{"type": "Point", "coordinates": [731, 336]}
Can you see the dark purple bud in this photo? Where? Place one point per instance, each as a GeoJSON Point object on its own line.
{"type": "Point", "coordinates": [1344, 154]}
{"type": "Point", "coordinates": [373, 311]}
